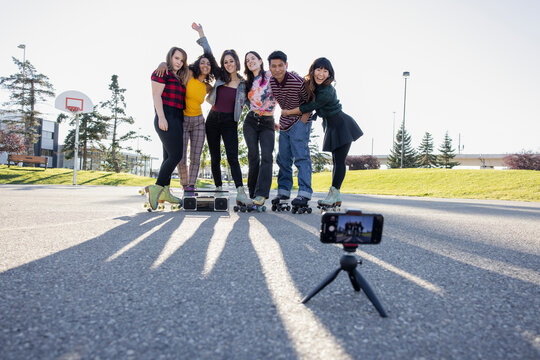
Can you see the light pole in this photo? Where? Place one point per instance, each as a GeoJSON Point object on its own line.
{"type": "Point", "coordinates": [23, 46]}
{"type": "Point", "coordinates": [406, 74]}
{"type": "Point", "coordinates": [394, 130]}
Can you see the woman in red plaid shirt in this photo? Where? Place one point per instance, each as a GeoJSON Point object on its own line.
{"type": "Point", "coordinates": [169, 94]}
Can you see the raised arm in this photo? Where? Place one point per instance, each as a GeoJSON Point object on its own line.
{"type": "Point", "coordinates": [202, 40]}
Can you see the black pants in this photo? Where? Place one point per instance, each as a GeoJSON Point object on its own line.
{"type": "Point", "coordinates": [339, 156]}
{"type": "Point", "coordinates": [222, 126]}
{"type": "Point", "coordinates": [172, 141]}
{"type": "Point", "coordinates": [259, 130]}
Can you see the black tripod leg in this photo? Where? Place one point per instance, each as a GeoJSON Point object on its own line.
{"type": "Point", "coordinates": [322, 285]}
{"type": "Point", "coordinates": [354, 283]}
{"type": "Point", "coordinates": [369, 292]}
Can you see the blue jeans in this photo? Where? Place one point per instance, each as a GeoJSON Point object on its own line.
{"type": "Point", "coordinates": [294, 146]}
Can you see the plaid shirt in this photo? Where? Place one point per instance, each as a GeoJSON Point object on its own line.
{"type": "Point", "coordinates": [174, 93]}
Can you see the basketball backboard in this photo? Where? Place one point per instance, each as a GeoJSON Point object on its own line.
{"type": "Point", "coordinates": [74, 102]}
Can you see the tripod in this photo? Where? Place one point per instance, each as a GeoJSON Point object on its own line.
{"type": "Point", "coordinates": [348, 263]}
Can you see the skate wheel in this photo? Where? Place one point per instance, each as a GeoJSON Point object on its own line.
{"type": "Point", "coordinates": [294, 210]}
{"type": "Point", "coordinates": [309, 210]}
{"type": "Point", "coordinates": [274, 207]}
{"type": "Point", "coordinates": [235, 208]}
{"type": "Point", "coordinates": [300, 211]}
{"type": "Point", "coordinates": [161, 207]}
{"type": "Point", "coordinates": [243, 209]}
{"type": "Point", "coordinates": [146, 205]}
{"type": "Point", "coordinates": [288, 208]}
{"type": "Point", "coordinates": [141, 192]}
{"type": "Point", "coordinates": [263, 208]}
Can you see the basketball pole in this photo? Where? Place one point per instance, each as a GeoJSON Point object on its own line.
{"type": "Point", "coordinates": [76, 149]}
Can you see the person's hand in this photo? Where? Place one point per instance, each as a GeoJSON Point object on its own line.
{"type": "Point", "coordinates": [162, 69]}
{"type": "Point", "coordinates": [285, 112]}
{"type": "Point", "coordinates": [163, 124]}
{"type": "Point", "coordinates": [276, 126]}
{"type": "Point", "coordinates": [197, 27]}
{"type": "Point", "coordinates": [305, 118]}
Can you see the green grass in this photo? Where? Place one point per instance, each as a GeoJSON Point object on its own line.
{"type": "Point", "coordinates": [521, 185]}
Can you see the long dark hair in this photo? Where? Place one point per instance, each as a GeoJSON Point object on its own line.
{"type": "Point", "coordinates": [249, 73]}
{"type": "Point", "coordinates": [214, 68]}
{"type": "Point", "coordinates": [183, 73]}
{"type": "Point", "coordinates": [309, 79]}
{"type": "Point", "coordinates": [225, 76]}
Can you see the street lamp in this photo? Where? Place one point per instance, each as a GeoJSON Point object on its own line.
{"type": "Point", "coordinates": [406, 74]}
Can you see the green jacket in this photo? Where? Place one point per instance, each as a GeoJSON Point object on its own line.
{"type": "Point", "coordinates": [325, 104]}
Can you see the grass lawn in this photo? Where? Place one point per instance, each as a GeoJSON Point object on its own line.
{"type": "Point", "coordinates": [521, 185]}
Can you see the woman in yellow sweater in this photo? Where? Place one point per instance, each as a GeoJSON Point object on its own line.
{"type": "Point", "coordinates": [201, 75]}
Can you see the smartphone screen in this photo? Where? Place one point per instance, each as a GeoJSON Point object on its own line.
{"type": "Point", "coordinates": [350, 228]}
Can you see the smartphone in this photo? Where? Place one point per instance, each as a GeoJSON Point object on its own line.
{"type": "Point", "coordinates": [351, 227]}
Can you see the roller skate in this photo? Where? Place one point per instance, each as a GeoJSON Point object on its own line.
{"type": "Point", "coordinates": [300, 205]}
{"type": "Point", "coordinates": [243, 202]}
{"type": "Point", "coordinates": [280, 203]}
{"type": "Point", "coordinates": [176, 203]}
{"type": "Point", "coordinates": [154, 192]}
{"type": "Point", "coordinates": [258, 204]}
{"type": "Point", "coordinates": [331, 202]}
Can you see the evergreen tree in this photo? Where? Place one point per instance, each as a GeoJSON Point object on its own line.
{"type": "Point", "coordinates": [447, 153]}
{"type": "Point", "coordinates": [92, 129]}
{"type": "Point", "coordinates": [117, 108]}
{"type": "Point", "coordinates": [409, 158]}
{"type": "Point", "coordinates": [27, 87]}
{"type": "Point", "coordinates": [426, 158]}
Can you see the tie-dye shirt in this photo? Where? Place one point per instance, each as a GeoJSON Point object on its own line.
{"type": "Point", "coordinates": [260, 96]}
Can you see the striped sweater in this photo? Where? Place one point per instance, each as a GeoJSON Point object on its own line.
{"type": "Point", "coordinates": [289, 94]}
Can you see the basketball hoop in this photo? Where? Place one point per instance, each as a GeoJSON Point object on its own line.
{"type": "Point", "coordinates": [73, 109]}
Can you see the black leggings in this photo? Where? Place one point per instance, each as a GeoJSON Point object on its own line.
{"type": "Point", "coordinates": [222, 126]}
{"type": "Point", "coordinates": [339, 156]}
{"type": "Point", "coordinates": [172, 141]}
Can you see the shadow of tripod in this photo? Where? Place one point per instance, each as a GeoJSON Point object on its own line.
{"type": "Point", "coordinates": [348, 263]}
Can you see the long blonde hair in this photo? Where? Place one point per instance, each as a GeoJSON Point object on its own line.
{"type": "Point", "coordinates": [183, 73]}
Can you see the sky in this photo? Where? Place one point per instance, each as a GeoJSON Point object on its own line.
{"type": "Point", "coordinates": [474, 64]}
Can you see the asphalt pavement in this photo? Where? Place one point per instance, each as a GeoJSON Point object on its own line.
{"type": "Point", "coordinates": [87, 273]}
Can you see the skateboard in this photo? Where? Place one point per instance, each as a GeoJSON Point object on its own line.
{"type": "Point", "coordinates": [206, 200]}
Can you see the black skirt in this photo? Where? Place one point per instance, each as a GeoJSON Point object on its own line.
{"type": "Point", "coordinates": [341, 129]}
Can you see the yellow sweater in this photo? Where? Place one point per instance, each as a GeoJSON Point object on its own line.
{"type": "Point", "coordinates": [195, 94]}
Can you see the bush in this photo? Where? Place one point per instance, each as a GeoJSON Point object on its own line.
{"type": "Point", "coordinates": [362, 162]}
{"type": "Point", "coordinates": [524, 161]}
{"type": "Point", "coordinates": [11, 143]}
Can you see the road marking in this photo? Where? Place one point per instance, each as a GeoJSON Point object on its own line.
{"type": "Point", "coordinates": [222, 229]}
{"type": "Point", "coordinates": [300, 323]}
{"type": "Point", "coordinates": [412, 278]}
{"type": "Point", "coordinates": [496, 266]}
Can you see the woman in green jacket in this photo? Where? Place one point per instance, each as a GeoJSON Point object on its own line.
{"type": "Point", "coordinates": [340, 130]}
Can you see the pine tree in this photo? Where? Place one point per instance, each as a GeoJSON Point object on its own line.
{"type": "Point", "coordinates": [447, 153]}
{"type": "Point", "coordinates": [409, 158]}
{"type": "Point", "coordinates": [27, 88]}
{"type": "Point", "coordinates": [92, 129]}
{"type": "Point", "coordinates": [426, 158]}
{"type": "Point", "coordinates": [117, 109]}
